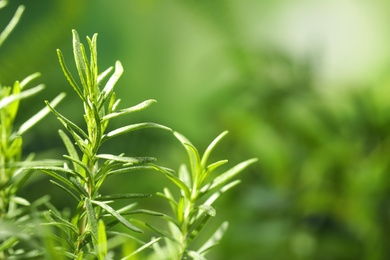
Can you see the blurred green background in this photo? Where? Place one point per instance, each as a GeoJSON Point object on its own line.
{"type": "Point", "coordinates": [302, 85]}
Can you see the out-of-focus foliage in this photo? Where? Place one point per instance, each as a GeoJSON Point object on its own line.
{"type": "Point", "coordinates": [320, 189]}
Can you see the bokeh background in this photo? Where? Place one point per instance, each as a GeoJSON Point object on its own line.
{"type": "Point", "coordinates": [303, 85]}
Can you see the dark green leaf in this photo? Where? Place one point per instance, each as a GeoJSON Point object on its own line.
{"type": "Point", "coordinates": [92, 220]}
{"type": "Point", "coordinates": [65, 189]}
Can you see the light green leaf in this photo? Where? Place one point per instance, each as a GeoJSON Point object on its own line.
{"type": "Point", "coordinates": [184, 175]}
{"type": "Point", "coordinates": [136, 108]}
{"type": "Point", "coordinates": [192, 154]}
{"type": "Point", "coordinates": [102, 240]}
{"type": "Point", "coordinates": [109, 87]}
{"type": "Point", "coordinates": [15, 147]}
{"type": "Point", "coordinates": [20, 201]}
{"type": "Point", "coordinates": [214, 239]}
{"type": "Point", "coordinates": [71, 149]}
{"type": "Point", "coordinates": [63, 222]}
{"type": "Point", "coordinates": [222, 190]}
{"type": "Point", "coordinates": [12, 24]}
{"type": "Point", "coordinates": [209, 169]}
{"type": "Point", "coordinates": [68, 124]}
{"type": "Point", "coordinates": [27, 93]}
{"type": "Point", "coordinates": [133, 127]}
{"type": "Point", "coordinates": [104, 74]}
{"type": "Point", "coordinates": [208, 209]}
{"type": "Point", "coordinates": [28, 79]}
{"type": "Point", "coordinates": [153, 241]}
{"type": "Point", "coordinates": [211, 147]}
{"type": "Point", "coordinates": [126, 160]}
{"type": "Point", "coordinates": [69, 76]}
{"type": "Point", "coordinates": [93, 58]}
{"type": "Point", "coordinates": [116, 215]}
{"type": "Point", "coordinates": [179, 183]}
{"type": "Point", "coordinates": [196, 256]}
{"type": "Point", "coordinates": [41, 114]}
{"type": "Point", "coordinates": [81, 61]}
{"type": "Point", "coordinates": [161, 232]}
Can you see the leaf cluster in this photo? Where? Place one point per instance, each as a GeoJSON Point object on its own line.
{"type": "Point", "coordinates": [88, 169]}
{"type": "Point", "coordinates": [15, 211]}
{"type": "Point", "coordinates": [199, 189]}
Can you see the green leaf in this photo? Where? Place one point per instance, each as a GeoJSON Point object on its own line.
{"type": "Point", "coordinates": [179, 183]}
{"type": "Point", "coordinates": [208, 209]}
{"type": "Point", "coordinates": [93, 58]}
{"type": "Point", "coordinates": [126, 160]}
{"type": "Point", "coordinates": [109, 87]}
{"type": "Point", "coordinates": [153, 241]}
{"type": "Point", "coordinates": [66, 190]}
{"type": "Point", "coordinates": [196, 256]}
{"type": "Point", "coordinates": [69, 76]}
{"type": "Point", "coordinates": [77, 185]}
{"type": "Point", "coordinates": [224, 177]}
{"type": "Point", "coordinates": [15, 148]}
{"type": "Point", "coordinates": [81, 61]}
{"type": "Point", "coordinates": [192, 154]}
{"type": "Point", "coordinates": [168, 195]}
{"type": "Point", "coordinates": [12, 24]}
{"type": "Point", "coordinates": [70, 148]}
{"type": "Point", "coordinates": [209, 169]}
{"type": "Point", "coordinates": [20, 201]}
{"type": "Point", "coordinates": [145, 212]}
{"type": "Point", "coordinates": [116, 215]}
{"type": "Point", "coordinates": [102, 240]}
{"type": "Point", "coordinates": [63, 221]}
{"type": "Point", "coordinates": [184, 175]}
{"type": "Point", "coordinates": [180, 210]}
{"type": "Point", "coordinates": [161, 232]}
{"type": "Point", "coordinates": [41, 114]}
{"type": "Point", "coordinates": [133, 127]}
{"type": "Point", "coordinates": [115, 197]}
{"type": "Point", "coordinates": [28, 79]}
{"type": "Point", "coordinates": [97, 129]}
{"type": "Point", "coordinates": [54, 173]}
{"type": "Point", "coordinates": [68, 124]}
{"type": "Point", "coordinates": [131, 169]}
{"type": "Point", "coordinates": [214, 239]}
{"type": "Point", "coordinates": [211, 147]}
{"type": "Point", "coordinates": [138, 107]}
{"type": "Point", "coordinates": [104, 74]}
{"type": "Point", "coordinates": [92, 221]}
{"type": "Point", "coordinates": [222, 190]}
{"type": "Point", "coordinates": [198, 226]}
{"type": "Point", "coordinates": [27, 93]}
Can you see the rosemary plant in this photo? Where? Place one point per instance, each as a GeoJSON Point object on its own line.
{"type": "Point", "coordinates": [199, 189]}
{"type": "Point", "coordinates": [87, 230]}
{"type": "Point", "coordinates": [15, 211]}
